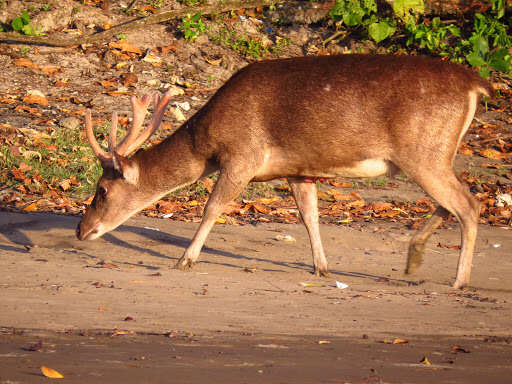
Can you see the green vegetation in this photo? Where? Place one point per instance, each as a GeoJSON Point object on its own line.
{"type": "Point", "coordinates": [61, 160]}
{"type": "Point", "coordinates": [192, 26]}
{"type": "Point", "coordinates": [484, 44]}
{"type": "Point", "coordinates": [21, 24]}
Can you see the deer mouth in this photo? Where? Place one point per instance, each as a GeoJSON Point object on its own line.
{"type": "Point", "coordinates": [88, 233]}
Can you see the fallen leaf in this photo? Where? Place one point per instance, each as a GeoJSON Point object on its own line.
{"type": "Point", "coordinates": [458, 348]}
{"type": "Point", "coordinates": [51, 373]}
{"type": "Point", "coordinates": [51, 69]}
{"type": "Point", "coordinates": [425, 361]}
{"type": "Point", "coordinates": [305, 284]}
{"type": "Point", "coordinates": [23, 62]}
{"type": "Point", "coordinates": [220, 220]}
{"type": "Point", "coordinates": [287, 238]}
{"type": "Point", "coordinates": [35, 97]}
{"type": "Point", "coordinates": [214, 62]}
{"type": "Point", "coordinates": [124, 46]}
{"type": "Point", "coordinates": [31, 207]}
{"type": "Point", "coordinates": [103, 309]}
{"type": "Point", "coordinates": [65, 185]}
{"type": "Point", "coordinates": [167, 48]}
{"type": "Point", "coordinates": [111, 83]}
{"type": "Point", "coordinates": [324, 342]}
{"type": "Point", "coordinates": [400, 341]}
{"type": "Point", "coordinates": [129, 79]}
{"type": "Point", "coordinates": [378, 206]}
{"type": "Point", "coordinates": [23, 167]}
{"type": "Point", "coordinates": [152, 59]}
{"type": "Point", "coordinates": [490, 153]}
{"type": "Point", "coordinates": [455, 247]}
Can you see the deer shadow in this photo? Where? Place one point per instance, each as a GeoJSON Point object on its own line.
{"type": "Point", "coordinates": [18, 233]}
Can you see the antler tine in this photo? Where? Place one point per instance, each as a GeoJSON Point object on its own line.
{"type": "Point", "coordinates": [96, 148]}
{"type": "Point", "coordinates": [113, 133]}
{"type": "Point", "coordinates": [158, 114]}
{"type": "Point", "coordinates": [140, 108]}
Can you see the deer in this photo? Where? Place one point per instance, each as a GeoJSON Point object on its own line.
{"type": "Point", "coordinates": [302, 119]}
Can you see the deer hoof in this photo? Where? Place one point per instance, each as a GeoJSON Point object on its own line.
{"type": "Point", "coordinates": [414, 257]}
{"type": "Point", "coordinates": [459, 284]}
{"type": "Point", "coordinates": [321, 272]}
{"type": "Point", "coordinates": [184, 264]}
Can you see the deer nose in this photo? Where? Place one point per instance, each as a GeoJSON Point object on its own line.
{"type": "Point", "coordinates": [78, 231]}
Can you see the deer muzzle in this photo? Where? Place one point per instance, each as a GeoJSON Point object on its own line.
{"type": "Point", "coordinates": [88, 232]}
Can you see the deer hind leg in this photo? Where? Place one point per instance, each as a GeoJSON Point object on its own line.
{"type": "Point", "coordinates": [305, 194]}
{"type": "Point", "coordinates": [452, 195]}
{"type": "Point", "coordinates": [229, 185]}
{"type": "Point", "coordinates": [417, 243]}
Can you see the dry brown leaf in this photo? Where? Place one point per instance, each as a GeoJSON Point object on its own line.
{"type": "Point", "coordinates": [400, 341]}
{"type": "Point", "coordinates": [31, 207]}
{"type": "Point", "coordinates": [36, 97]}
{"type": "Point", "coordinates": [167, 48]}
{"type": "Point", "coordinates": [23, 62]}
{"type": "Point", "coordinates": [455, 247]}
{"type": "Point", "coordinates": [119, 93]}
{"type": "Point", "coordinates": [111, 83]}
{"type": "Point", "coordinates": [214, 62]}
{"type": "Point", "coordinates": [23, 167]}
{"type": "Point", "coordinates": [65, 185]}
{"type": "Point", "coordinates": [379, 206]}
{"type": "Point", "coordinates": [339, 184]}
{"type": "Point", "coordinates": [129, 79]}
{"type": "Point", "coordinates": [124, 46]}
{"type": "Point", "coordinates": [51, 373]}
{"type": "Point", "coordinates": [52, 69]}
{"type": "Point", "coordinates": [490, 153]}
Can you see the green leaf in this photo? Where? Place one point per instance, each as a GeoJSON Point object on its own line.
{"type": "Point", "coordinates": [369, 6]}
{"type": "Point", "coordinates": [25, 17]}
{"type": "Point", "coordinates": [498, 60]}
{"type": "Point", "coordinates": [436, 23]}
{"type": "Point", "coordinates": [28, 30]}
{"type": "Point", "coordinates": [485, 72]}
{"type": "Point", "coordinates": [454, 30]}
{"type": "Point", "coordinates": [380, 31]}
{"type": "Point", "coordinates": [402, 7]}
{"type": "Point", "coordinates": [475, 60]}
{"type": "Point", "coordinates": [196, 17]}
{"type": "Point", "coordinates": [480, 44]}
{"type": "Point", "coordinates": [17, 24]}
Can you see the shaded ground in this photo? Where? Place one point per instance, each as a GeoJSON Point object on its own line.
{"type": "Point", "coordinates": [253, 358]}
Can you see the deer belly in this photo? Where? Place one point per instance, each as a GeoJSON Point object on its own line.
{"type": "Point", "coordinates": [364, 168]}
{"type": "Point", "coordinates": [279, 166]}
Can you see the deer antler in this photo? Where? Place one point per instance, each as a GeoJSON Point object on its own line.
{"type": "Point", "coordinates": [135, 138]}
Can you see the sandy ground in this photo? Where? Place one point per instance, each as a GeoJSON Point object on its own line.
{"type": "Point", "coordinates": [248, 291]}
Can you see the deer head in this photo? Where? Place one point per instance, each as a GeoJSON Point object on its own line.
{"type": "Point", "coordinates": [119, 194]}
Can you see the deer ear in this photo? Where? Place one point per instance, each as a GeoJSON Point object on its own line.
{"type": "Point", "coordinates": [126, 167]}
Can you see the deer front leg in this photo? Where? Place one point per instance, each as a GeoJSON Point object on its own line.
{"type": "Point", "coordinates": [305, 194]}
{"type": "Point", "coordinates": [226, 189]}
{"type": "Point", "coordinates": [417, 243]}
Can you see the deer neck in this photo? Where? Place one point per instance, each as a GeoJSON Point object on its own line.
{"type": "Point", "coordinates": [172, 164]}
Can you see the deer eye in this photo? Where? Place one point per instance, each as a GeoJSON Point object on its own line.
{"type": "Point", "coordinates": [102, 191]}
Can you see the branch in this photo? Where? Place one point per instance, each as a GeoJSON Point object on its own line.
{"type": "Point", "coordinates": [218, 7]}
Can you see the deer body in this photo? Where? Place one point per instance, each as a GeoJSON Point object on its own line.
{"type": "Point", "coordinates": [351, 115]}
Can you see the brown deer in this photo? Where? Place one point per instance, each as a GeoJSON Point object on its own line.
{"type": "Point", "coordinates": [303, 118]}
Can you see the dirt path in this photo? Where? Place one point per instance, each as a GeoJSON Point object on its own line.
{"type": "Point", "coordinates": [248, 284]}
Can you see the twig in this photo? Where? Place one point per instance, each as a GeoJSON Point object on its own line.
{"type": "Point", "coordinates": [218, 7]}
